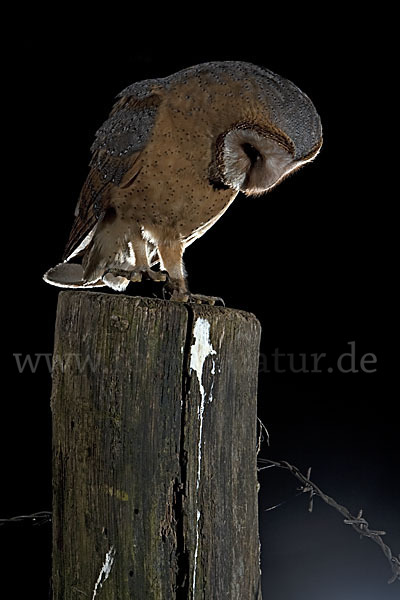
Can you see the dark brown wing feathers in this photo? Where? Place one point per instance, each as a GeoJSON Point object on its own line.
{"type": "Point", "coordinates": [117, 146]}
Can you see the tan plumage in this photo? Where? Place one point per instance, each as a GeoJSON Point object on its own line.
{"type": "Point", "coordinates": [171, 158]}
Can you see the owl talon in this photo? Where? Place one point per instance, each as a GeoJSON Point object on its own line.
{"type": "Point", "coordinates": [180, 295]}
{"type": "Point", "coordinates": [155, 275]}
{"type": "Point", "coordinates": [201, 299]}
{"type": "Point", "coordinates": [137, 275]}
{"type": "Point", "coordinates": [133, 276]}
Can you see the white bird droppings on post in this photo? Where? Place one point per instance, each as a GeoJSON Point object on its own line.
{"type": "Point", "coordinates": [201, 349]}
{"type": "Point", "coordinates": [105, 570]}
{"type": "Point", "coordinates": [198, 353]}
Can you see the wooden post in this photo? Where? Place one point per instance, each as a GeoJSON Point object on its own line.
{"type": "Point", "coordinates": [154, 450]}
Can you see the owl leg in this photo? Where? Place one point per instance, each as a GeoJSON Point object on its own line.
{"type": "Point", "coordinates": [170, 255]}
{"type": "Point", "coordinates": [176, 286]}
{"type": "Point", "coordinates": [141, 266]}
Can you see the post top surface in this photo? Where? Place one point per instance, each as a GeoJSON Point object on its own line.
{"type": "Point", "coordinates": [197, 310]}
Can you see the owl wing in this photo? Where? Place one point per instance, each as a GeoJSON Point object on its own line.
{"type": "Point", "coordinates": [117, 146]}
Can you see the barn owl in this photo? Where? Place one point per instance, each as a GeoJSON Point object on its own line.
{"type": "Point", "coordinates": [170, 160]}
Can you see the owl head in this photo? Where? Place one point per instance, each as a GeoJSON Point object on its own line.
{"type": "Point", "coordinates": [280, 130]}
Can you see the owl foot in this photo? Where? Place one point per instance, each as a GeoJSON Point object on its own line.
{"type": "Point", "coordinates": [196, 298]}
{"type": "Point", "coordinates": [201, 299]}
{"type": "Point", "coordinates": [138, 274]}
{"type": "Point", "coordinates": [174, 290]}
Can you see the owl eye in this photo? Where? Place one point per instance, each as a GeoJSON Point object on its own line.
{"type": "Point", "coordinates": [252, 153]}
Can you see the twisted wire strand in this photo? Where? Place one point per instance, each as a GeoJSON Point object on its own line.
{"type": "Point", "coordinates": [38, 518]}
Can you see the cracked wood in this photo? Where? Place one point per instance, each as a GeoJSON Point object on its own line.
{"type": "Point", "coordinates": [154, 450]}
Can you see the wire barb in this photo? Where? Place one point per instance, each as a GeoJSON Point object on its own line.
{"type": "Point", "coordinates": [260, 435]}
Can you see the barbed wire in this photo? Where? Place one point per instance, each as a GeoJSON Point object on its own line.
{"type": "Point", "coordinates": [359, 523]}
{"type": "Point", "coordinates": [260, 435]}
{"type": "Point", "coordinates": [38, 518]}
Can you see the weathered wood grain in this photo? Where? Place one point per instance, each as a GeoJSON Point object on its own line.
{"type": "Point", "coordinates": [154, 450]}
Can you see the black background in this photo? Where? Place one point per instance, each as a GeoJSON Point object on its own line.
{"type": "Point", "coordinates": [311, 260]}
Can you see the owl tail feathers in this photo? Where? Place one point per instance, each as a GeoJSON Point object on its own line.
{"type": "Point", "coordinates": [69, 275]}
